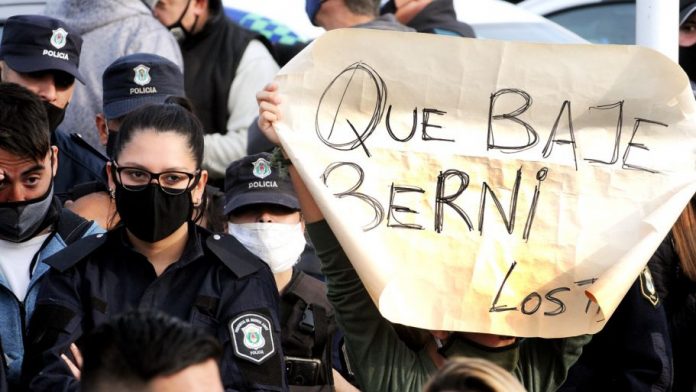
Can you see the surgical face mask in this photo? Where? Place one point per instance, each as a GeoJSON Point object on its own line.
{"type": "Point", "coordinates": [55, 115]}
{"type": "Point", "coordinates": [278, 244]}
{"type": "Point", "coordinates": [178, 30]}
{"type": "Point", "coordinates": [312, 8]}
{"type": "Point", "coordinates": [21, 220]}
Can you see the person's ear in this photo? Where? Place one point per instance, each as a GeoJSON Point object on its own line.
{"type": "Point", "coordinates": [54, 160]}
{"type": "Point", "coordinates": [110, 177]}
{"type": "Point", "coordinates": [102, 128]}
{"type": "Point", "coordinates": [200, 7]}
{"type": "Point", "coordinates": [197, 191]}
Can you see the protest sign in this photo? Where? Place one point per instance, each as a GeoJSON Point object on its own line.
{"type": "Point", "coordinates": [489, 186]}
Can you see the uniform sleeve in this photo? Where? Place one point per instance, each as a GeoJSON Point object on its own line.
{"type": "Point", "coordinates": [256, 69]}
{"type": "Point", "coordinates": [381, 360]}
{"type": "Point", "coordinates": [55, 324]}
{"type": "Point", "coordinates": [249, 329]}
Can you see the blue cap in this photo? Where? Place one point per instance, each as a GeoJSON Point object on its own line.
{"type": "Point", "coordinates": [253, 180]}
{"type": "Point", "coordinates": [312, 9]}
{"type": "Point", "coordinates": [139, 79]}
{"type": "Point", "coordinates": [33, 43]}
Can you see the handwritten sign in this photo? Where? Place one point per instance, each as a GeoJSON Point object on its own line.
{"type": "Point", "coordinates": [490, 186]}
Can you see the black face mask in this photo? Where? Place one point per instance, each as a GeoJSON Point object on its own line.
{"type": "Point", "coordinates": [178, 30]}
{"type": "Point", "coordinates": [687, 60]}
{"type": "Point", "coordinates": [55, 115]}
{"type": "Point", "coordinates": [150, 214]}
{"type": "Point", "coordinates": [111, 142]}
{"type": "Point", "coordinates": [21, 220]}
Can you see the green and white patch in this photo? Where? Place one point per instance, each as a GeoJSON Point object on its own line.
{"type": "Point", "coordinates": [252, 337]}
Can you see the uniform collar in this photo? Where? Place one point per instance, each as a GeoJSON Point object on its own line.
{"type": "Point", "coordinates": [192, 251]}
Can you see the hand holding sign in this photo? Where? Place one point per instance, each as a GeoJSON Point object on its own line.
{"type": "Point", "coordinates": [485, 186]}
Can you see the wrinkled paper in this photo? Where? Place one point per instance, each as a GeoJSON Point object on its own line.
{"type": "Point", "coordinates": [489, 186]}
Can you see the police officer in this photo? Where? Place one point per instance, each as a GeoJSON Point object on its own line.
{"type": "Point", "coordinates": [264, 215]}
{"type": "Point", "coordinates": [159, 259]}
{"type": "Point", "coordinates": [43, 55]}
{"type": "Point", "coordinates": [130, 82]}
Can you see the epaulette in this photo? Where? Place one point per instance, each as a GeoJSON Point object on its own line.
{"type": "Point", "coordinates": [77, 139]}
{"type": "Point", "coordinates": [233, 254]}
{"type": "Point", "coordinates": [74, 253]}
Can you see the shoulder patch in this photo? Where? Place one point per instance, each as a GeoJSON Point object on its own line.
{"type": "Point", "coordinates": [252, 337]}
{"type": "Point", "coordinates": [233, 254]}
{"type": "Point", "coordinates": [647, 287]}
{"type": "Point", "coordinates": [80, 249]}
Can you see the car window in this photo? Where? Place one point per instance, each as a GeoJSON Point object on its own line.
{"type": "Point", "coordinates": [600, 23]}
{"type": "Point", "coordinates": [528, 32]}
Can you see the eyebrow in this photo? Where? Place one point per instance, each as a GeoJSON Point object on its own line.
{"type": "Point", "coordinates": [169, 169]}
{"type": "Point", "coordinates": [35, 168]}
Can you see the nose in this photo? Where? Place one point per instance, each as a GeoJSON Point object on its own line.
{"type": "Point", "coordinates": [46, 88]}
{"type": "Point", "coordinates": [265, 217]}
{"type": "Point", "coordinates": [16, 193]}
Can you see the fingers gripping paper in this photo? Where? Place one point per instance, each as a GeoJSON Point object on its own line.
{"type": "Point", "coordinates": [489, 186]}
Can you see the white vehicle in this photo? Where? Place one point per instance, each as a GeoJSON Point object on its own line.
{"type": "Point", "coordinates": [493, 19]}
{"type": "Point", "coordinates": [12, 7]}
{"type": "Point", "coordinates": [598, 21]}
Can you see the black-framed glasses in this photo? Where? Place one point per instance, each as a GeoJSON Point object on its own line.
{"type": "Point", "coordinates": [171, 182]}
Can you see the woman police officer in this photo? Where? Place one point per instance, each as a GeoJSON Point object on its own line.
{"type": "Point", "coordinates": [157, 258]}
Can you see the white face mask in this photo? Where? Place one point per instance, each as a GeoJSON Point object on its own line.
{"type": "Point", "coordinates": [278, 244]}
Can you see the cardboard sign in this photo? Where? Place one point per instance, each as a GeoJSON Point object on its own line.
{"type": "Point", "coordinates": [489, 186]}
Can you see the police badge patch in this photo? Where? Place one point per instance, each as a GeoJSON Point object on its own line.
{"type": "Point", "coordinates": [142, 75]}
{"type": "Point", "coordinates": [647, 287]}
{"type": "Point", "coordinates": [252, 337]}
{"type": "Point", "coordinates": [59, 38]}
{"type": "Point", "coordinates": [262, 168]}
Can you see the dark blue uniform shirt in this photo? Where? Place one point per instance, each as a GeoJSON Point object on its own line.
{"type": "Point", "coordinates": [78, 163]}
{"type": "Point", "coordinates": [217, 285]}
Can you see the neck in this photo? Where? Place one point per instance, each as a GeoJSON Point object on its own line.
{"type": "Point", "coordinates": [282, 279]}
{"type": "Point", "coordinates": [347, 19]}
{"type": "Point", "coordinates": [165, 252]}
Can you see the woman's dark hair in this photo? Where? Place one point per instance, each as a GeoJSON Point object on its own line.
{"type": "Point", "coordinates": [162, 118]}
{"type": "Point", "coordinates": [170, 116]}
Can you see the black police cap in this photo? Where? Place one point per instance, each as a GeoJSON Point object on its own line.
{"type": "Point", "coordinates": [33, 43]}
{"type": "Point", "coordinates": [139, 79]}
{"type": "Point", "coordinates": [252, 180]}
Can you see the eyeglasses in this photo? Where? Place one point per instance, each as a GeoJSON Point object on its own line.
{"type": "Point", "coordinates": [171, 182]}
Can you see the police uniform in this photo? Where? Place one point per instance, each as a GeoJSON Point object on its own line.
{"type": "Point", "coordinates": [78, 163]}
{"type": "Point", "coordinates": [216, 285]}
{"type": "Point", "coordinates": [307, 331]}
{"type": "Point", "coordinates": [33, 43]}
{"type": "Point", "coordinates": [632, 352]}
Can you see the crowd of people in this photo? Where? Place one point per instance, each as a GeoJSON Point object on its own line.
{"type": "Point", "coordinates": [139, 253]}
